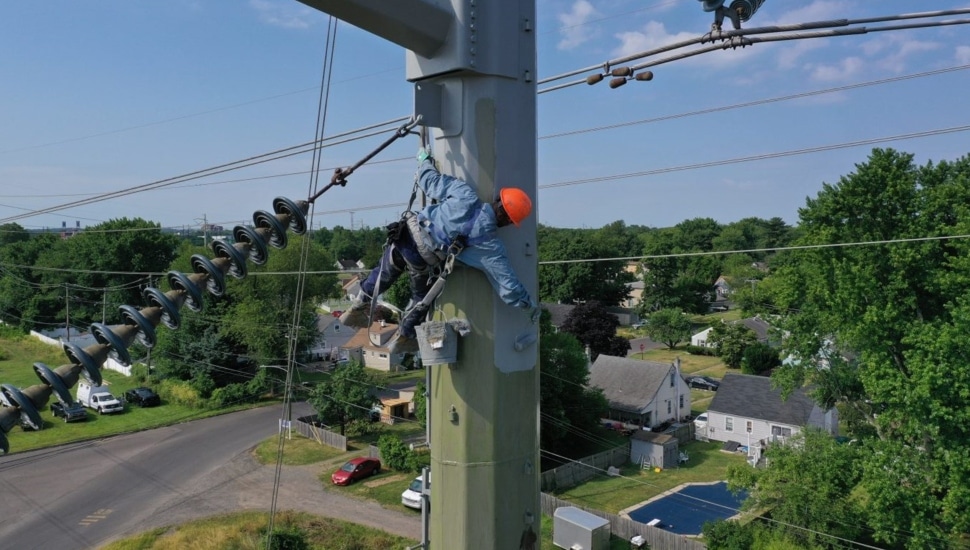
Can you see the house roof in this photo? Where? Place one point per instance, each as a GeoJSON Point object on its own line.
{"type": "Point", "coordinates": [651, 437]}
{"type": "Point", "coordinates": [628, 384]}
{"type": "Point", "coordinates": [558, 312]}
{"type": "Point", "coordinates": [362, 339]}
{"type": "Point", "coordinates": [348, 264]}
{"type": "Point", "coordinates": [749, 396]}
{"type": "Point", "coordinates": [758, 326]}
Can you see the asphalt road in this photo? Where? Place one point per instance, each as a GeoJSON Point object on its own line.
{"type": "Point", "coordinates": [85, 495]}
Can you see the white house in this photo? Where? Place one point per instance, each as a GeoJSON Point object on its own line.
{"type": "Point", "coordinates": [644, 393]}
{"type": "Point", "coordinates": [746, 409]}
{"type": "Point", "coordinates": [361, 349]}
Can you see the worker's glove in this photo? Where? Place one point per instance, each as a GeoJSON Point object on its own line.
{"type": "Point", "coordinates": [423, 154]}
{"type": "Point", "coordinates": [533, 311]}
{"type": "Point", "coordinates": [394, 230]}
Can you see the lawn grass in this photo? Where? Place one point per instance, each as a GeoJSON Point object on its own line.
{"type": "Point", "coordinates": [634, 485]}
{"type": "Point", "coordinates": [246, 531]}
{"type": "Point", "coordinates": [689, 364]}
{"type": "Point", "coordinates": [297, 451]}
{"type": "Point", "coordinates": [21, 352]}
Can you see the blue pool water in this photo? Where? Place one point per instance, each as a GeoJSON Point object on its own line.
{"type": "Point", "coordinates": [686, 511]}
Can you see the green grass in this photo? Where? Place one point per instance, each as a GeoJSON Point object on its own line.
{"type": "Point", "coordinates": [246, 531]}
{"type": "Point", "coordinates": [297, 451]}
{"type": "Point", "coordinates": [635, 485]}
{"type": "Point", "coordinates": [689, 364]}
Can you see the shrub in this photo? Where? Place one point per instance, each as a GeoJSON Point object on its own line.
{"type": "Point", "coordinates": [701, 350]}
{"type": "Point", "coordinates": [288, 538]}
{"type": "Point", "coordinates": [4, 354]}
{"type": "Point", "coordinates": [181, 392]}
{"type": "Point", "coordinates": [758, 358]}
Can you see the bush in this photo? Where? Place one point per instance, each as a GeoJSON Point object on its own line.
{"type": "Point", "coordinates": [701, 350]}
{"type": "Point", "coordinates": [758, 358]}
{"type": "Point", "coordinates": [182, 393]}
{"type": "Point", "coordinates": [398, 456]}
{"type": "Point", "coordinates": [4, 354]}
{"type": "Point", "coordinates": [288, 538]}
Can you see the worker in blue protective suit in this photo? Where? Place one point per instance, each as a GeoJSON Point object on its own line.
{"type": "Point", "coordinates": [421, 241]}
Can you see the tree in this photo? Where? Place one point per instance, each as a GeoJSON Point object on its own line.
{"type": "Point", "coordinates": [567, 404]}
{"type": "Point", "coordinates": [595, 328]}
{"type": "Point", "coordinates": [684, 283]}
{"type": "Point", "coordinates": [730, 340]}
{"type": "Point", "coordinates": [809, 484]}
{"type": "Point", "coordinates": [575, 282]}
{"type": "Point", "coordinates": [759, 357]}
{"type": "Point", "coordinates": [345, 396]}
{"type": "Point", "coordinates": [669, 326]}
{"type": "Point", "coordinates": [12, 233]}
{"type": "Point", "coordinates": [899, 312]}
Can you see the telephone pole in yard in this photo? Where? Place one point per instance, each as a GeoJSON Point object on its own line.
{"type": "Point", "coordinates": [473, 64]}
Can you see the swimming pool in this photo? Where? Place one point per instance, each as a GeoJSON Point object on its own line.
{"type": "Point", "coordinates": [687, 510]}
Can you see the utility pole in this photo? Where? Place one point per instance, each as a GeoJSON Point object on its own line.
{"type": "Point", "coordinates": [474, 64]}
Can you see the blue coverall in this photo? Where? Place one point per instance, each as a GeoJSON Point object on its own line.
{"type": "Point", "coordinates": [457, 212]}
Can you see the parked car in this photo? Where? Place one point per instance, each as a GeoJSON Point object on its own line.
{"type": "Point", "coordinates": [98, 398]}
{"type": "Point", "coordinates": [703, 383]}
{"type": "Point", "coordinates": [411, 497]}
{"type": "Point", "coordinates": [719, 307]}
{"type": "Point", "coordinates": [143, 397]}
{"type": "Point", "coordinates": [73, 412]}
{"type": "Point", "coordinates": [638, 325]}
{"type": "Point", "coordinates": [354, 469]}
{"type": "Point", "coordinates": [700, 423]}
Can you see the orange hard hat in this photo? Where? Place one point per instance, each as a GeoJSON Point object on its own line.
{"type": "Point", "coordinates": [516, 203]}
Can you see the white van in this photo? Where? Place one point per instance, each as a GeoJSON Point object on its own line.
{"type": "Point", "coordinates": [411, 497]}
{"type": "Point", "coordinates": [98, 398]}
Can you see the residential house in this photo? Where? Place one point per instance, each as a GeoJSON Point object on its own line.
{"type": "Point", "coordinates": [351, 287]}
{"type": "Point", "coordinates": [634, 294]}
{"type": "Point", "coordinates": [396, 404]}
{"type": "Point", "coordinates": [722, 289]}
{"type": "Point", "coordinates": [762, 330]}
{"type": "Point", "coordinates": [332, 337]}
{"type": "Point", "coordinates": [349, 265]}
{"type": "Point", "coordinates": [746, 409]}
{"type": "Point", "coordinates": [374, 355]}
{"type": "Point", "coordinates": [559, 312]}
{"type": "Point", "coordinates": [643, 393]}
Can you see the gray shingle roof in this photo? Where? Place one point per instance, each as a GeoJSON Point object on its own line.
{"type": "Point", "coordinates": [750, 396]}
{"type": "Point", "coordinates": [628, 384]}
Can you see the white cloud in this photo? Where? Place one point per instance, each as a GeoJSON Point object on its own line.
{"type": "Point", "coordinates": [573, 33]}
{"type": "Point", "coordinates": [654, 35]}
{"type": "Point", "coordinates": [289, 15]}
{"type": "Point", "coordinates": [963, 55]}
{"type": "Point", "coordinates": [789, 56]}
{"type": "Point", "coordinates": [892, 52]}
{"type": "Point", "coordinates": [819, 10]}
{"type": "Point", "coordinates": [840, 71]}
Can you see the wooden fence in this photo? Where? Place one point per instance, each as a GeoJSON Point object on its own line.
{"type": "Point", "coordinates": [574, 473]}
{"type": "Point", "coordinates": [625, 528]}
{"type": "Point", "coordinates": [311, 428]}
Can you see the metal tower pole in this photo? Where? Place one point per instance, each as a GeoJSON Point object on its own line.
{"type": "Point", "coordinates": [474, 66]}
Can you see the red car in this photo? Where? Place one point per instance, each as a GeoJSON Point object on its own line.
{"type": "Point", "coordinates": [355, 469]}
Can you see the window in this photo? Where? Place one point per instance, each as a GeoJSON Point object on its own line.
{"type": "Point", "coordinates": [728, 424]}
{"type": "Point", "coordinates": [778, 430]}
{"type": "Point", "coordinates": [681, 401]}
{"type": "Point", "coordinates": [748, 426]}
{"type": "Point", "coordinates": [668, 406]}
{"type": "Point", "coordinates": [672, 375]}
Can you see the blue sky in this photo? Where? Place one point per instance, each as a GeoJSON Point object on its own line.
{"type": "Point", "coordinates": [97, 97]}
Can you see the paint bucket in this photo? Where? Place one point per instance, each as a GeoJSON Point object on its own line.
{"type": "Point", "coordinates": [438, 342]}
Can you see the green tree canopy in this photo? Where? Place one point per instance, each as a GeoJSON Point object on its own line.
{"type": "Point", "coordinates": [669, 326]}
{"type": "Point", "coordinates": [345, 396]}
{"type": "Point", "coordinates": [595, 327]}
{"type": "Point", "coordinates": [567, 404]}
